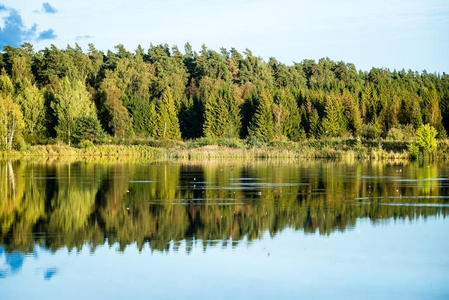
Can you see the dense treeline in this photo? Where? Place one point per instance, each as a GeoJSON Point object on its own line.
{"type": "Point", "coordinates": [69, 95]}
{"type": "Point", "coordinates": [70, 204]}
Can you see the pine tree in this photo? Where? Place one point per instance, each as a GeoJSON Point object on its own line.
{"type": "Point", "coordinates": [262, 125]}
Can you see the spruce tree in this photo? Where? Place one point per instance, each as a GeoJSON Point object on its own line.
{"type": "Point", "coordinates": [315, 127]}
{"type": "Point", "coordinates": [333, 122]}
{"type": "Point", "coordinates": [190, 118]}
{"type": "Point", "coordinates": [221, 112]}
{"type": "Point", "coordinates": [287, 116]}
{"type": "Point", "coordinates": [351, 113]}
{"type": "Point", "coordinates": [229, 103]}
{"type": "Point", "coordinates": [164, 119]}
{"type": "Point", "coordinates": [212, 122]}
{"type": "Point", "coordinates": [262, 125]}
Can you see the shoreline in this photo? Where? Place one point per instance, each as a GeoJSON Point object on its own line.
{"type": "Point", "coordinates": [337, 149]}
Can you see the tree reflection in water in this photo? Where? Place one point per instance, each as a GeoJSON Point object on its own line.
{"type": "Point", "coordinates": [61, 204]}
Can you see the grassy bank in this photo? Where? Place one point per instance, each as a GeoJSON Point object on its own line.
{"type": "Point", "coordinates": [206, 148]}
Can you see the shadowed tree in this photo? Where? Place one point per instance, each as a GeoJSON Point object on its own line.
{"type": "Point", "coordinates": [262, 124]}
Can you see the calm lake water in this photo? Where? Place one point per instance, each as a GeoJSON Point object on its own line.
{"type": "Point", "coordinates": [223, 230]}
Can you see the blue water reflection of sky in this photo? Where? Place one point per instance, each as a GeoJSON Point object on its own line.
{"type": "Point", "coordinates": [401, 260]}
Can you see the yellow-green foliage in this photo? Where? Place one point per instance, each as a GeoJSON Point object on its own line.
{"type": "Point", "coordinates": [72, 102]}
{"type": "Point", "coordinates": [426, 137]}
{"type": "Point", "coordinates": [11, 122]}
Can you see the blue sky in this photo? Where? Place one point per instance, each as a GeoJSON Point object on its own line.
{"type": "Point", "coordinates": [410, 34]}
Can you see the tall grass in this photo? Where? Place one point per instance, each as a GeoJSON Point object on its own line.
{"type": "Point", "coordinates": [229, 148]}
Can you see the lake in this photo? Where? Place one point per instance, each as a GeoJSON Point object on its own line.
{"type": "Point", "coordinates": [224, 230]}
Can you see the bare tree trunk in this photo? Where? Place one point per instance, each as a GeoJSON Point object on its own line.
{"type": "Point", "coordinates": [6, 126]}
{"type": "Point", "coordinates": [12, 132]}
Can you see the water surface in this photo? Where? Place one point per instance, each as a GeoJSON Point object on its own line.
{"type": "Point", "coordinates": [264, 230]}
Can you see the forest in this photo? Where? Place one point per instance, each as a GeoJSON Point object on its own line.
{"type": "Point", "coordinates": [70, 95]}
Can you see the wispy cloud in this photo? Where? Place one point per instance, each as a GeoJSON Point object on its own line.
{"type": "Point", "coordinates": [47, 35]}
{"type": "Point", "coordinates": [48, 8]}
{"type": "Point", "coordinates": [83, 37]}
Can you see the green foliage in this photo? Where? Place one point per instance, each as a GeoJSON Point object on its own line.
{"type": "Point", "coordinates": [11, 123]}
{"type": "Point", "coordinates": [410, 111]}
{"type": "Point", "coordinates": [401, 133]}
{"type": "Point", "coordinates": [426, 138]}
{"type": "Point", "coordinates": [223, 141]}
{"type": "Point", "coordinates": [72, 102]}
{"type": "Point", "coordinates": [255, 141]}
{"type": "Point", "coordinates": [334, 123]}
{"type": "Point", "coordinates": [262, 125]}
{"type": "Point", "coordinates": [371, 131]}
{"type": "Point", "coordinates": [442, 133]}
{"type": "Point", "coordinates": [162, 92]}
{"type": "Point", "coordinates": [352, 117]}
{"type": "Point", "coordinates": [315, 127]}
{"type": "Point", "coordinates": [117, 116]}
{"type": "Point", "coordinates": [221, 115]}
{"type": "Point", "coordinates": [359, 146]}
{"type": "Point", "coordinates": [87, 128]}
{"type": "Point", "coordinates": [287, 119]}
{"type": "Point", "coordinates": [32, 102]}
{"type": "Point", "coordinates": [84, 144]}
{"type": "Point", "coordinates": [164, 119]}
{"type": "Point", "coordinates": [431, 108]}
{"type": "Point", "coordinates": [6, 85]}
{"type": "Point", "coordinates": [413, 150]}
{"type": "Point", "coordinates": [213, 121]}
{"type": "Point", "coordinates": [190, 118]}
